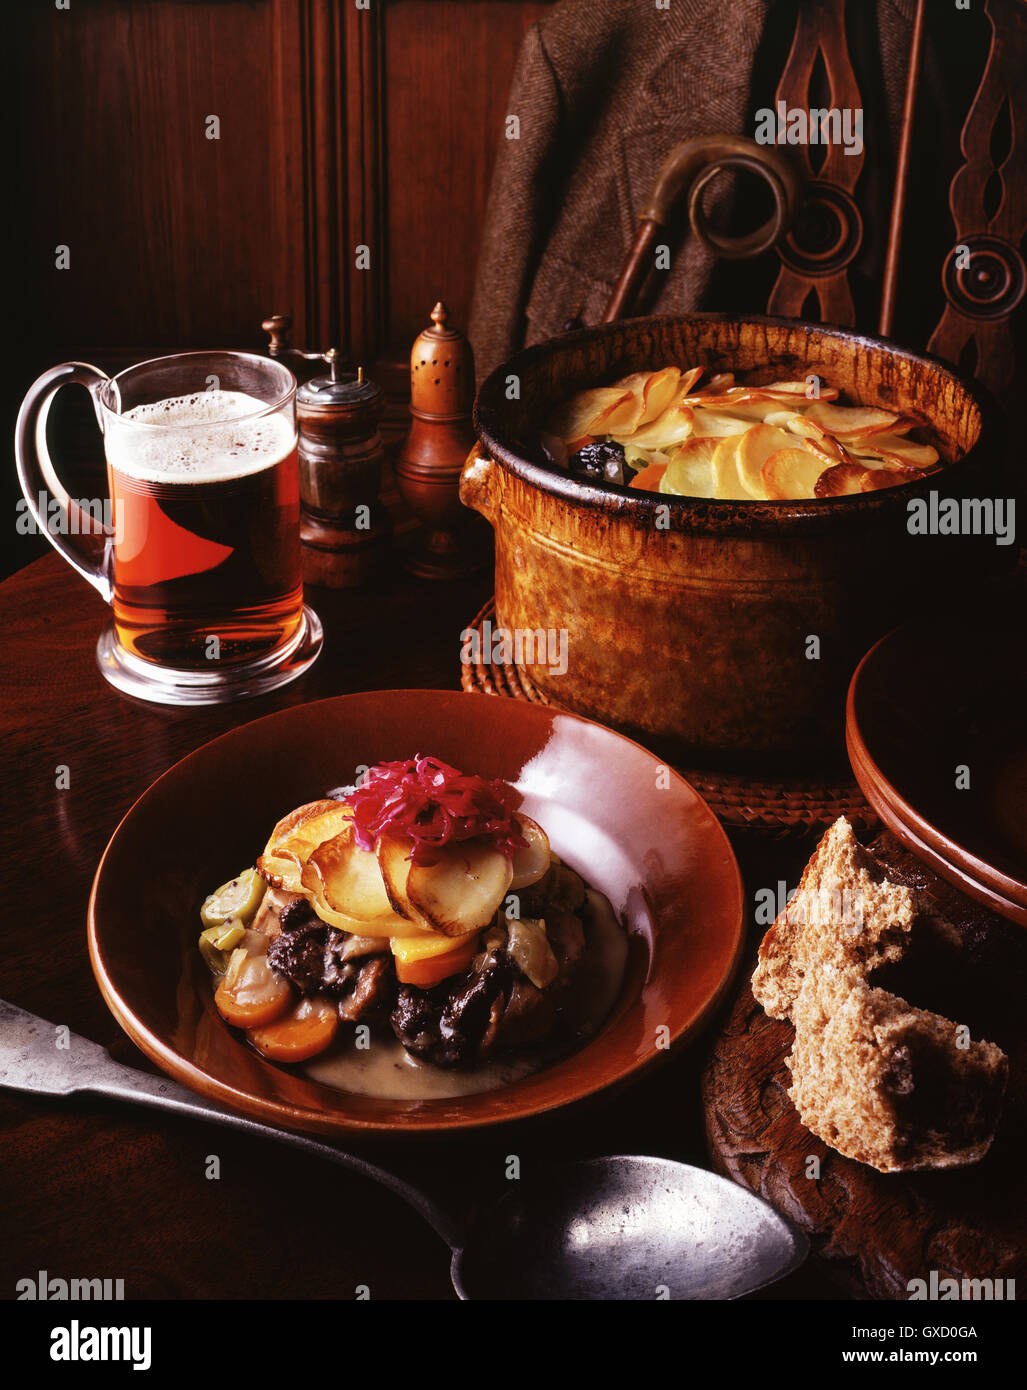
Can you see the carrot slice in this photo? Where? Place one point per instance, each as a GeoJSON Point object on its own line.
{"type": "Point", "coordinates": [649, 477]}
{"type": "Point", "coordinates": [251, 994]}
{"type": "Point", "coordinates": [305, 1031]}
{"type": "Point", "coordinates": [430, 970]}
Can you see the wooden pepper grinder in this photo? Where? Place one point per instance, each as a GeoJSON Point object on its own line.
{"type": "Point", "coordinates": [427, 468]}
{"type": "Point", "coordinates": [344, 529]}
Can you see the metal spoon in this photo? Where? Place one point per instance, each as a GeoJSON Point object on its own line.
{"type": "Point", "coordinates": [617, 1228]}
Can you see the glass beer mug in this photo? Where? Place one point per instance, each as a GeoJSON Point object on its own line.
{"type": "Point", "coordinates": [198, 548]}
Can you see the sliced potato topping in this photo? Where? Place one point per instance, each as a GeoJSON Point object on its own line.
{"type": "Point", "coordinates": [673, 426]}
{"type": "Point", "coordinates": [840, 480]}
{"type": "Point", "coordinates": [661, 419]}
{"type": "Point", "coordinates": [791, 473]}
{"type": "Point", "coordinates": [348, 877]}
{"type": "Point", "coordinates": [305, 837]}
{"type": "Point", "coordinates": [845, 420]}
{"type": "Point", "coordinates": [463, 890]}
{"type": "Point", "coordinates": [753, 450]}
{"type": "Point", "coordinates": [690, 470]}
{"type": "Point", "coordinates": [727, 477]}
{"type": "Point", "coordinates": [393, 854]}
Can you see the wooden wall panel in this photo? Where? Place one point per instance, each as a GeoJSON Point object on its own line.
{"type": "Point", "coordinates": [168, 230]}
{"type": "Point", "coordinates": [339, 126]}
{"type": "Point", "coordinates": [447, 73]}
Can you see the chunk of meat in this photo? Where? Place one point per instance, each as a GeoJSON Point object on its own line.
{"type": "Point", "coordinates": [415, 1020]}
{"type": "Point", "coordinates": [299, 955]}
{"type": "Point", "coordinates": [467, 1011]}
{"type": "Point", "coordinates": [297, 913]}
{"type": "Point", "coordinates": [488, 1040]}
{"type": "Point", "coordinates": [529, 1016]}
{"type": "Point", "coordinates": [373, 991]}
{"type": "Point", "coordinates": [445, 1025]}
{"type": "Point", "coordinates": [320, 960]}
{"type": "Point", "coordinates": [567, 938]}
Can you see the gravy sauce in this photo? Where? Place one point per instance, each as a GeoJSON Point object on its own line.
{"type": "Point", "coordinates": [385, 1069]}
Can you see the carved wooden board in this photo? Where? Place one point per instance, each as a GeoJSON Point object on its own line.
{"type": "Point", "coordinates": [874, 1232]}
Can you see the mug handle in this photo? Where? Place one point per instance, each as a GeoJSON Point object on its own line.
{"type": "Point", "coordinates": [84, 541]}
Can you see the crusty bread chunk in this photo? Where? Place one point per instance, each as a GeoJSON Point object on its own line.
{"type": "Point", "coordinates": [882, 1082]}
{"type": "Point", "coordinates": [844, 914]}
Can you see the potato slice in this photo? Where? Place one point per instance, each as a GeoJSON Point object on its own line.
{"type": "Point", "coordinates": [293, 877]}
{"type": "Point", "coordinates": [311, 832]}
{"type": "Point", "coordinates": [785, 389]}
{"type": "Point", "coordinates": [711, 424]}
{"type": "Point", "coordinates": [850, 420]}
{"type": "Point", "coordinates": [894, 448]}
{"type": "Point", "coordinates": [727, 480]}
{"type": "Point", "coordinates": [289, 824]}
{"type": "Point", "coordinates": [348, 877]}
{"type": "Point", "coordinates": [668, 429]}
{"type": "Point", "coordinates": [690, 471]}
{"type": "Point", "coordinates": [782, 417]}
{"type": "Point", "coordinates": [876, 478]}
{"type": "Point", "coordinates": [817, 438]}
{"type": "Point", "coordinates": [389, 924]}
{"type": "Point", "coordinates": [577, 415]}
{"type": "Point", "coordinates": [739, 401]}
{"type": "Point", "coordinates": [624, 417]}
{"type": "Point", "coordinates": [840, 480]}
{"type": "Point", "coordinates": [532, 863]}
{"type": "Point", "coordinates": [393, 855]}
{"type": "Point", "coordinates": [280, 873]}
{"type": "Point", "coordinates": [791, 473]}
{"type": "Point", "coordinates": [464, 889]}
{"type": "Point", "coordinates": [659, 390]}
{"type": "Point", "coordinates": [753, 449]}
{"type": "Point", "coordinates": [750, 409]}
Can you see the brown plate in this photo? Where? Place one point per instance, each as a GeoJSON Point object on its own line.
{"type": "Point", "coordinates": [638, 833]}
{"type": "Point", "coordinates": [936, 727]}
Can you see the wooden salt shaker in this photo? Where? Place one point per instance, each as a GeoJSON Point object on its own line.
{"type": "Point", "coordinates": [344, 529]}
{"type": "Point", "coordinates": [427, 468]}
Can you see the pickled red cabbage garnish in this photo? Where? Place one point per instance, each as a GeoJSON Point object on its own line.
{"type": "Point", "coordinates": [434, 805]}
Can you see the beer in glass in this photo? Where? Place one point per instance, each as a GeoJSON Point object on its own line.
{"type": "Point", "coordinates": [201, 551]}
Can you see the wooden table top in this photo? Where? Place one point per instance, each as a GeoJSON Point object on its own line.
{"type": "Point", "coordinates": [95, 1189]}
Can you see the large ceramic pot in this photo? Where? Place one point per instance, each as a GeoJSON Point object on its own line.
{"type": "Point", "coordinates": [719, 630]}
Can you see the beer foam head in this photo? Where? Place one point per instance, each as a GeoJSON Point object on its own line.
{"type": "Point", "coordinates": [200, 438]}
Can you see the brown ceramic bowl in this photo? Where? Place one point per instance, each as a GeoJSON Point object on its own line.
{"type": "Point", "coordinates": [656, 850]}
{"type": "Point", "coordinates": [926, 703]}
{"type": "Point", "coordinates": [689, 628]}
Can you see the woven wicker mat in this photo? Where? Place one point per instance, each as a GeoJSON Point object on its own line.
{"type": "Point", "coordinates": [739, 802]}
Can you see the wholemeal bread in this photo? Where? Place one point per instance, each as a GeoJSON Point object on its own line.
{"type": "Point", "coordinates": [881, 1081]}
